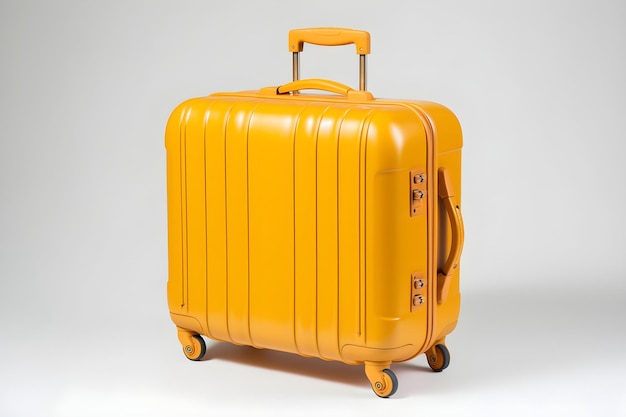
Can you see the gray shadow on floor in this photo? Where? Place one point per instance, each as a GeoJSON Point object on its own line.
{"type": "Point", "coordinates": [522, 334]}
{"type": "Point", "coordinates": [501, 335]}
{"type": "Point", "coordinates": [288, 362]}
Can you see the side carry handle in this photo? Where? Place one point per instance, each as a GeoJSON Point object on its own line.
{"type": "Point", "coordinates": [446, 194]}
{"type": "Point", "coordinates": [330, 37]}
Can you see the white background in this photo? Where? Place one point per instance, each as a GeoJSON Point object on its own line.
{"type": "Point", "coordinates": [85, 92]}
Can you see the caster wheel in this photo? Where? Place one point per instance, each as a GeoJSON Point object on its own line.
{"type": "Point", "coordinates": [195, 348]}
{"type": "Point", "coordinates": [387, 385]}
{"type": "Point", "coordinates": [438, 357]}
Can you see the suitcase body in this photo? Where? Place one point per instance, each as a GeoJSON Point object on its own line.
{"type": "Point", "coordinates": [325, 225]}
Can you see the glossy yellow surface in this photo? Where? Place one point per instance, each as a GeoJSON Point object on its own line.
{"type": "Point", "coordinates": [289, 228]}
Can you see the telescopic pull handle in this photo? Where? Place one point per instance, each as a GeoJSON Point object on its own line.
{"type": "Point", "coordinates": [330, 37]}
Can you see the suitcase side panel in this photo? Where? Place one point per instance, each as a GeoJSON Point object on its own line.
{"type": "Point", "coordinates": [445, 130]}
{"type": "Point", "coordinates": [450, 142]}
{"type": "Point", "coordinates": [396, 242]}
{"type": "Point", "coordinates": [447, 313]}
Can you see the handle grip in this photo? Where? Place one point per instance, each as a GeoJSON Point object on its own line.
{"type": "Point", "coordinates": [446, 194]}
{"type": "Point", "coordinates": [317, 84]}
{"type": "Point", "coordinates": [324, 85]}
{"type": "Point", "coordinates": [329, 37]}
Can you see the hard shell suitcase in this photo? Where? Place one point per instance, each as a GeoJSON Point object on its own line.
{"type": "Point", "coordinates": [327, 225]}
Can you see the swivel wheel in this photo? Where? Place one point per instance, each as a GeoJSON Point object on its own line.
{"type": "Point", "coordinates": [195, 350]}
{"type": "Point", "coordinates": [438, 357]}
{"type": "Point", "coordinates": [194, 346]}
{"type": "Point", "coordinates": [383, 380]}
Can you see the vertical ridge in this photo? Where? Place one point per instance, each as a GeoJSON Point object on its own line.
{"type": "Point", "coordinates": [349, 228]}
{"type": "Point", "coordinates": [236, 220]}
{"type": "Point", "coordinates": [362, 226]}
{"type": "Point", "coordinates": [207, 115]}
{"type": "Point", "coordinates": [216, 218]}
{"type": "Point", "coordinates": [317, 297]}
{"type": "Point", "coordinates": [337, 220]}
{"type": "Point", "coordinates": [249, 121]}
{"type": "Point", "coordinates": [293, 185]}
{"type": "Point", "coordinates": [248, 224]}
{"type": "Point", "coordinates": [195, 190]}
{"type": "Point", "coordinates": [225, 138]}
{"type": "Point", "coordinates": [327, 206]}
{"type": "Point", "coordinates": [295, 242]}
{"type": "Point", "coordinates": [305, 249]}
{"type": "Point", "coordinates": [181, 138]}
{"type": "Point", "coordinates": [183, 197]}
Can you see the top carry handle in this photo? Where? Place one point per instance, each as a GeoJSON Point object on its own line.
{"type": "Point", "coordinates": [330, 37]}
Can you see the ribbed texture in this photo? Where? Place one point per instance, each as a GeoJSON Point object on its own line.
{"type": "Point", "coordinates": [289, 225]}
{"type": "Point", "coordinates": [282, 245]}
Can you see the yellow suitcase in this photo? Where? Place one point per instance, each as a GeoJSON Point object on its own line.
{"type": "Point", "coordinates": [327, 225]}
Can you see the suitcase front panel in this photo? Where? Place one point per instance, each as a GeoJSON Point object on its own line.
{"type": "Point", "coordinates": [293, 219]}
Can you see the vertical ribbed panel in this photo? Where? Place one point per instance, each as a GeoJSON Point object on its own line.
{"type": "Point", "coordinates": [281, 242]}
{"type": "Point", "coordinates": [194, 222]}
{"type": "Point", "coordinates": [237, 221]}
{"type": "Point", "coordinates": [271, 226]}
{"type": "Point", "coordinates": [216, 233]}
{"type": "Point", "coordinates": [305, 186]}
{"type": "Point", "coordinates": [362, 220]}
{"type": "Point", "coordinates": [183, 209]}
{"type": "Point", "coordinates": [174, 143]}
{"type": "Point", "coordinates": [349, 326]}
{"type": "Point", "coordinates": [267, 223]}
{"type": "Point", "coordinates": [327, 232]}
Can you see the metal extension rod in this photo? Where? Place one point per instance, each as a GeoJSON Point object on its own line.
{"type": "Point", "coordinates": [362, 69]}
